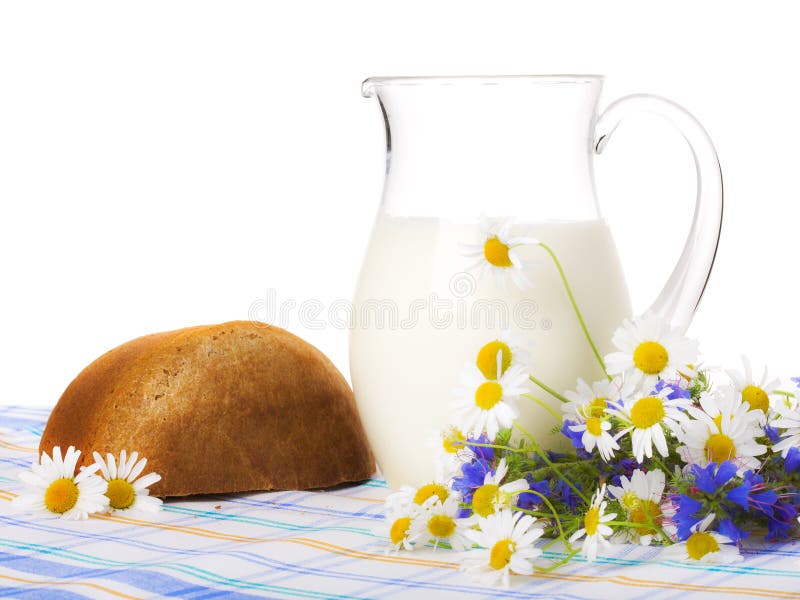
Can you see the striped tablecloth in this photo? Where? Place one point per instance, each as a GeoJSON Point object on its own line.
{"type": "Point", "coordinates": [307, 545]}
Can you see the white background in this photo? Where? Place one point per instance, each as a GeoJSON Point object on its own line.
{"type": "Point", "coordinates": [163, 164]}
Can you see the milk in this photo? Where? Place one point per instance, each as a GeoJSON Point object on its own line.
{"type": "Point", "coordinates": [405, 368]}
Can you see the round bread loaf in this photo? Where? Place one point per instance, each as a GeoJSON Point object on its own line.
{"type": "Point", "coordinates": [234, 407]}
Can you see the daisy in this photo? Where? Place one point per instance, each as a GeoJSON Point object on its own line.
{"type": "Point", "coordinates": [595, 432]}
{"type": "Point", "coordinates": [592, 401]}
{"type": "Point", "coordinates": [494, 495]}
{"type": "Point", "coordinates": [757, 394]}
{"type": "Point", "coordinates": [438, 522]}
{"type": "Point", "coordinates": [501, 353]}
{"type": "Point", "coordinates": [449, 452]}
{"type": "Point", "coordinates": [411, 500]}
{"type": "Point", "coordinates": [704, 546]}
{"type": "Point", "coordinates": [487, 405]}
{"type": "Point", "coordinates": [397, 527]}
{"type": "Point", "coordinates": [649, 350]}
{"type": "Point", "coordinates": [648, 416]}
{"type": "Point", "coordinates": [641, 497]}
{"type": "Point", "coordinates": [506, 539]}
{"type": "Point", "coordinates": [789, 421]}
{"type": "Point", "coordinates": [594, 527]}
{"type": "Point", "coordinates": [126, 491]}
{"type": "Point", "coordinates": [496, 253]}
{"type": "Point", "coordinates": [723, 430]}
{"type": "Point", "coordinates": [53, 489]}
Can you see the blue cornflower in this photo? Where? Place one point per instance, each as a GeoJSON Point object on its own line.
{"type": "Point", "coordinates": [773, 433]}
{"type": "Point", "coordinates": [473, 474]}
{"type": "Point", "coordinates": [784, 519]}
{"type": "Point", "coordinates": [792, 461]}
{"type": "Point", "coordinates": [568, 496]}
{"type": "Point", "coordinates": [576, 438]}
{"type": "Point", "coordinates": [689, 513]}
{"type": "Point", "coordinates": [481, 452]}
{"type": "Point", "coordinates": [711, 478]}
{"type": "Point", "coordinates": [618, 468]}
{"type": "Point", "coordinates": [727, 528]}
{"type": "Point", "coordinates": [529, 500]}
{"type": "Point", "coordinates": [677, 392]}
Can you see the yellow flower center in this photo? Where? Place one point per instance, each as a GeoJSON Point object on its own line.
{"type": "Point", "coordinates": [61, 495]}
{"type": "Point", "coordinates": [441, 526]}
{"type": "Point", "coordinates": [399, 529]}
{"type": "Point", "coordinates": [484, 499]}
{"type": "Point", "coordinates": [756, 398]}
{"type": "Point", "coordinates": [592, 520]}
{"type": "Point", "coordinates": [630, 500]}
{"type": "Point", "coordinates": [646, 511]}
{"type": "Point", "coordinates": [593, 426]}
{"type": "Point", "coordinates": [431, 489]}
{"type": "Point", "coordinates": [719, 448]}
{"type": "Point", "coordinates": [501, 553]}
{"type": "Point", "coordinates": [647, 411]}
{"type": "Point", "coordinates": [596, 408]}
{"type": "Point", "coordinates": [496, 253]}
{"type": "Point", "coordinates": [453, 441]}
{"type": "Point", "coordinates": [699, 544]}
{"type": "Point", "coordinates": [488, 394]}
{"type": "Point", "coordinates": [487, 359]}
{"type": "Point", "coordinates": [650, 357]}
{"type": "Point", "coordinates": [120, 494]}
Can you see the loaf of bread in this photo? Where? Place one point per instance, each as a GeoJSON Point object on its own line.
{"type": "Point", "coordinates": [234, 407]}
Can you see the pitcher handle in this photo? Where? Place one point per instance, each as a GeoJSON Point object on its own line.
{"type": "Point", "coordinates": [680, 296]}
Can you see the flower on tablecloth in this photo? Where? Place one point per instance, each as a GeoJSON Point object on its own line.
{"type": "Point", "coordinates": [126, 487]}
{"type": "Point", "coordinates": [505, 541]}
{"type": "Point", "coordinates": [704, 546]}
{"type": "Point", "coordinates": [54, 489]}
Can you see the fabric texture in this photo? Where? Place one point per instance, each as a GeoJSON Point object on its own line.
{"type": "Point", "coordinates": [309, 545]}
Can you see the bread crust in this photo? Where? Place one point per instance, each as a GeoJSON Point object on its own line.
{"type": "Point", "coordinates": [235, 407]}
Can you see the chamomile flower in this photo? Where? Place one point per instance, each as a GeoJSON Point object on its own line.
{"type": "Point", "coordinates": [500, 354]}
{"type": "Point", "coordinates": [449, 451]}
{"type": "Point", "coordinates": [53, 488]}
{"type": "Point", "coordinates": [487, 405]}
{"type": "Point", "coordinates": [411, 500]}
{"type": "Point", "coordinates": [758, 394]}
{"type": "Point", "coordinates": [648, 349]}
{"type": "Point", "coordinates": [789, 421]}
{"type": "Point", "coordinates": [496, 253]}
{"type": "Point", "coordinates": [594, 530]}
{"type": "Point", "coordinates": [704, 546]}
{"type": "Point", "coordinates": [127, 492]}
{"type": "Point", "coordinates": [438, 522]}
{"type": "Point", "coordinates": [723, 430]}
{"type": "Point", "coordinates": [641, 496]}
{"type": "Point", "coordinates": [648, 416]}
{"type": "Point", "coordinates": [397, 527]}
{"type": "Point", "coordinates": [495, 495]}
{"type": "Point", "coordinates": [506, 546]}
{"type": "Point", "coordinates": [595, 433]}
{"type": "Point", "coordinates": [586, 401]}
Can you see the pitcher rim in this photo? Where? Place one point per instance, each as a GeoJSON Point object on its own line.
{"type": "Point", "coordinates": [369, 84]}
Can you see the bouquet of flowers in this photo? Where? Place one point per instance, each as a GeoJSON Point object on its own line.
{"type": "Point", "coordinates": [663, 452]}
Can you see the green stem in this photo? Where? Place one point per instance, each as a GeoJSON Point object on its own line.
{"type": "Point", "coordinates": [547, 389]}
{"type": "Point", "coordinates": [575, 308]}
{"type": "Point", "coordinates": [495, 446]}
{"type": "Point", "coordinates": [544, 405]}
{"type": "Point", "coordinates": [538, 449]}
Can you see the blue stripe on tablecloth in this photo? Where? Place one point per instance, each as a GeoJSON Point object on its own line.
{"type": "Point", "coordinates": [143, 579]}
{"type": "Point", "coordinates": [135, 578]}
{"type": "Point", "coordinates": [40, 592]}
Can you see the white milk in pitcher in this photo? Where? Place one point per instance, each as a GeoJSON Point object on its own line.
{"type": "Point", "coordinates": [420, 319]}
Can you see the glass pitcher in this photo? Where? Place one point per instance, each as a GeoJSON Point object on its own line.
{"type": "Point", "coordinates": [489, 233]}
